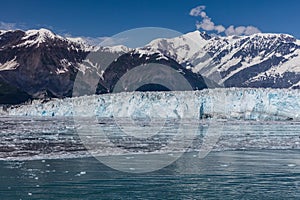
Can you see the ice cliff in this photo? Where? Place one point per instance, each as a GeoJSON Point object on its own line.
{"type": "Point", "coordinates": [230, 103]}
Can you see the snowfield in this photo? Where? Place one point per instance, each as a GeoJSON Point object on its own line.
{"type": "Point", "coordinates": [231, 103]}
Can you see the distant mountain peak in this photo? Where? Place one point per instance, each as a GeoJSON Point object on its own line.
{"type": "Point", "coordinates": [41, 33]}
{"type": "Point", "coordinates": [37, 37]}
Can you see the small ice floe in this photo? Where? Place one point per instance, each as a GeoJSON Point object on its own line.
{"type": "Point", "coordinates": [43, 161]}
{"type": "Point", "coordinates": [291, 165]}
{"type": "Point", "coordinates": [132, 169]}
{"type": "Point", "coordinates": [81, 173]}
{"type": "Point", "coordinates": [129, 157]}
{"type": "Point", "coordinates": [29, 194]}
{"type": "Point", "coordinates": [224, 165]}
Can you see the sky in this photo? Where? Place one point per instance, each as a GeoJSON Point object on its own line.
{"type": "Point", "coordinates": [105, 18]}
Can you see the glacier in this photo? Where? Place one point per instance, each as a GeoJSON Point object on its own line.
{"type": "Point", "coordinates": [220, 103]}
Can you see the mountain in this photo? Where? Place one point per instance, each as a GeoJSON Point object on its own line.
{"type": "Point", "coordinates": [38, 62]}
{"type": "Point", "coordinates": [117, 69]}
{"type": "Point", "coordinates": [259, 60]}
{"type": "Point", "coordinates": [41, 64]}
{"type": "Point", "coordinates": [152, 67]}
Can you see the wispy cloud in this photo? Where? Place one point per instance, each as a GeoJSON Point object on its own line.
{"type": "Point", "coordinates": [114, 41]}
{"type": "Point", "coordinates": [22, 26]}
{"type": "Point", "coordinates": [95, 41]}
{"type": "Point", "coordinates": [13, 26]}
{"type": "Point", "coordinates": [207, 24]}
{"type": "Point", "coordinates": [7, 26]}
{"type": "Point", "coordinates": [98, 41]}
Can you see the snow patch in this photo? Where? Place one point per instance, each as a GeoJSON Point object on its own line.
{"type": "Point", "coordinates": [10, 65]}
{"type": "Point", "coordinates": [37, 37]}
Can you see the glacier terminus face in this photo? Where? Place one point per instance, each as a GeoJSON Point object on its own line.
{"type": "Point", "coordinates": [231, 103]}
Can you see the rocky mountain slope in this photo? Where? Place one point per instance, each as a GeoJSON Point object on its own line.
{"type": "Point", "coordinates": [41, 64]}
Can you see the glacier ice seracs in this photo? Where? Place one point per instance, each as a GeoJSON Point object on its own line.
{"type": "Point", "coordinates": [230, 103]}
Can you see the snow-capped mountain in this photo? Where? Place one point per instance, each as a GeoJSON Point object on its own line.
{"type": "Point", "coordinates": [39, 63]}
{"type": "Point", "coordinates": [259, 60]}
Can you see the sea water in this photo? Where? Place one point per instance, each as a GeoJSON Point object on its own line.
{"type": "Point", "coordinates": [47, 158]}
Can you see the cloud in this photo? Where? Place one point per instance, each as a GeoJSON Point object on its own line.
{"type": "Point", "coordinates": [7, 26]}
{"type": "Point", "coordinates": [198, 11]}
{"type": "Point", "coordinates": [207, 24]}
{"type": "Point", "coordinates": [241, 30]}
{"type": "Point", "coordinates": [97, 41]}
{"type": "Point", "coordinates": [94, 41]}
{"type": "Point", "coordinates": [104, 41]}
{"type": "Point", "coordinates": [251, 30]}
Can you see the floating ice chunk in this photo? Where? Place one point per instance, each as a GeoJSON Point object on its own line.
{"type": "Point", "coordinates": [81, 173]}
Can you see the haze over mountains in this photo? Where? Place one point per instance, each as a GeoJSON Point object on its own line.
{"type": "Point", "coordinates": [41, 64]}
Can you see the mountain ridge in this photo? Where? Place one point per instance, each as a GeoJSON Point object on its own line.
{"type": "Point", "coordinates": [229, 55]}
{"type": "Point", "coordinates": [43, 64]}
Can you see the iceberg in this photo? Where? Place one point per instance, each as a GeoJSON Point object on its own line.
{"type": "Point", "coordinates": [220, 103]}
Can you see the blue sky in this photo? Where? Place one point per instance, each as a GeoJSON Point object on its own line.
{"type": "Point", "coordinates": [108, 17]}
